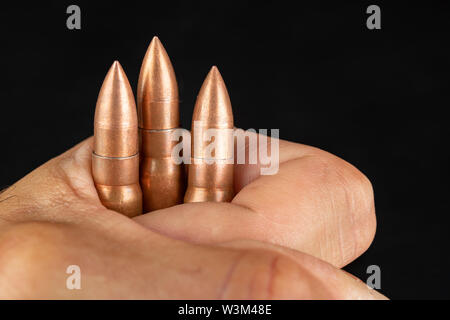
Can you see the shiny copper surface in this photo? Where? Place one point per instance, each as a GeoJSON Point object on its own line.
{"type": "Point", "coordinates": [115, 160]}
{"type": "Point", "coordinates": [211, 182]}
{"type": "Point", "coordinates": [162, 181]}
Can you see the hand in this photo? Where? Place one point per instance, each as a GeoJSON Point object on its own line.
{"type": "Point", "coordinates": [283, 236]}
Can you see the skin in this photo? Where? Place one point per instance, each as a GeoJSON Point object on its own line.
{"type": "Point", "coordinates": [283, 236]}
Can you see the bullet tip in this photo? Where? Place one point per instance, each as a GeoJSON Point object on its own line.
{"type": "Point", "coordinates": [116, 67]}
{"type": "Point", "coordinates": [214, 74]}
{"type": "Point", "coordinates": [213, 103]}
{"type": "Point", "coordinates": [155, 41]}
{"type": "Point", "coordinates": [156, 47]}
{"type": "Point", "coordinates": [157, 83]}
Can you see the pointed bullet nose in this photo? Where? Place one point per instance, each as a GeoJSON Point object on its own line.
{"type": "Point", "coordinates": [116, 64]}
{"type": "Point", "coordinates": [115, 120]}
{"type": "Point", "coordinates": [115, 101]}
{"type": "Point", "coordinates": [213, 105]}
{"type": "Point", "coordinates": [156, 47]}
{"type": "Point", "coordinates": [215, 81]}
{"type": "Point", "coordinates": [214, 71]}
{"type": "Point", "coordinates": [156, 42]}
{"type": "Point", "coordinates": [116, 76]}
{"type": "Point", "coordinates": [157, 93]}
{"type": "Point", "coordinates": [115, 71]}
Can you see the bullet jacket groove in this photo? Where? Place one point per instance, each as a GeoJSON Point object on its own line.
{"type": "Point", "coordinates": [105, 169]}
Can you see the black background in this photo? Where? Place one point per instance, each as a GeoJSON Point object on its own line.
{"type": "Point", "coordinates": [376, 98]}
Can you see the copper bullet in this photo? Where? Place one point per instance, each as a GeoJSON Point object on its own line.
{"type": "Point", "coordinates": [115, 160]}
{"type": "Point", "coordinates": [211, 181]}
{"type": "Point", "coordinates": [162, 180]}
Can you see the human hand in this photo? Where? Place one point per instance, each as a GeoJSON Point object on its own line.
{"type": "Point", "coordinates": [283, 236]}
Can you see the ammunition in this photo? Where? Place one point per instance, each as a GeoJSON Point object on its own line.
{"type": "Point", "coordinates": [162, 180]}
{"type": "Point", "coordinates": [211, 181]}
{"type": "Point", "coordinates": [115, 160]}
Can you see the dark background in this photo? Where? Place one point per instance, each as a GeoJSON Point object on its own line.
{"type": "Point", "coordinates": [376, 98]}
